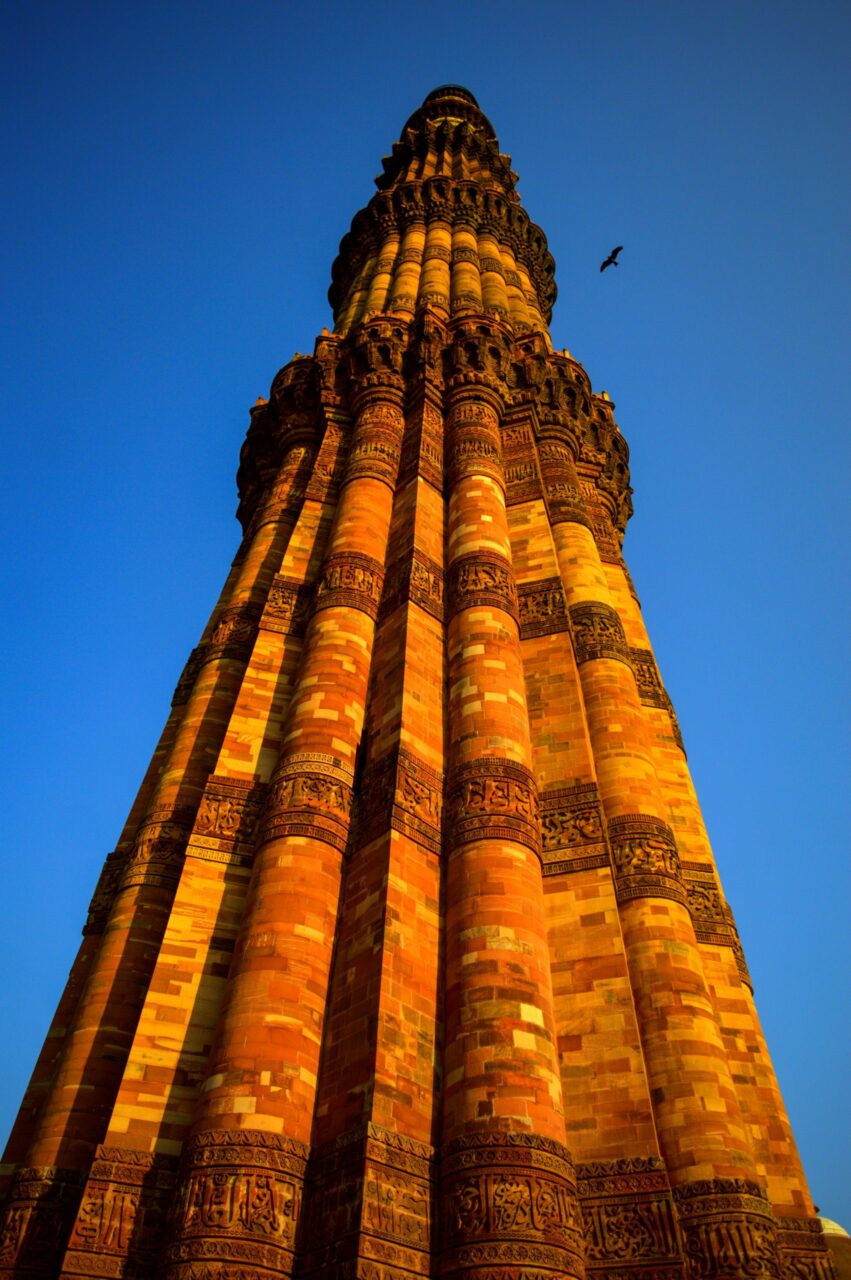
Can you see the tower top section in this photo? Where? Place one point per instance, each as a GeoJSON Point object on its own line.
{"type": "Point", "coordinates": [445, 229]}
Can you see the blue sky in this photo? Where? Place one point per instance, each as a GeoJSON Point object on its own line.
{"type": "Point", "coordinates": [181, 175]}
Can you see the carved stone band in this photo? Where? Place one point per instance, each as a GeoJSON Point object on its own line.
{"type": "Point", "coordinates": [542, 609]}
{"type": "Point", "coordinates": [509, 1208]}
{"type": "Point", "coordinates": [629, 1216]}
{"type": "Point", "coordinates": [597, 633]}
{"type": "Point", "coordinates": [803, 1248]}
{"type": "Point", "coordinates": [417, 578]}
{"type": "Point", "coordinates": [369, 1195]}
{"type": "Point", "coordinates": [234, 633]}
{"type": "Point", "coordinates": [473, 443]}
{"type": "Point", "coordinates": [157, 853]}
{"type": "Point", "coordinates": [39, 1212]}
{"type": "Point", "coordinates": [572, 830]}
{"type": "Point", "coordinates": [123, 1187]}
{"type": "Point", "coordinates": [401, 792]}
{"type": "Point", "coordinates": [645, 859]}
{"type": "Point", "coordinates": [651, 691]}
{"type": "Point", "coordinates": [482, 578]}
{"type": "Point", "coordinates": [494, 799]}
{"type": "Point", "coordinates": [377, 444]}
{"type": "Point", "coordinates": [729, 1230]}
{"type": "Point", "coordinates": [350, 580]}
{"type": "Point", "coordinates": [239, 1202]}
{"type": "Point", "coordinates": [287, 606]}
{"type": "Point", "coordinates": [310, 795]}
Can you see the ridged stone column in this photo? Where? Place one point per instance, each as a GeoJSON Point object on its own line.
{"type": "Point", "coordinates": [508, 1197]}
{"type": "Point", "coordinates": [44, 1195]}
{"type": "Point", "coordinates": [701, 1132]}
{"type": "Point", "coordinates": [244, 1164]}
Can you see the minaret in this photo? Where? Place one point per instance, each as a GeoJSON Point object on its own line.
{"type": "Point", "coordinates": [412, 958]}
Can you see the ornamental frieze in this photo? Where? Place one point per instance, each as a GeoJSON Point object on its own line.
{"type": "Point", "coordinates": [287, 606]}
{"type": "Point", "coordinates": [541, 608]}
{"type": "Point", "coordinates": [40, 1208]}
{"type": "Point", "coordinates": [481, 579]}
{"type": "Point", "coordinates": [238, 1201]}
{"type": "Point", "coordinates": [227, 818]}
{"type": "Point", "coordinates": [188, 676]}
{"type": "Point", "coordinates": [645, 858]}
{"type": "Point", "coordinates": [415, 578]}
{"type": "Point", "coordinates": [125, 1188]}
{"type": "Point", "coordinates": [401, 792]}
{"type": "Point", "coordinates": [350, 580]}
{"type": "Point", "coordinates": [310, 795]}
{"type": "Point", "coordinates": [510, 1199]}
{"type": "Point", "coordinates": [235, 632]}
{"type": "Point", "coordinates": [329, 468]}
{"type": "Point", "coordinates": [597, 633]}
{"type": "Point", "coordinates": [729, 1230]}
{"type": "Point", "coordinates": [803, 1249]}
{"type": "Point", "coordinates": [159, 846]}
{"type": "Point", "coordinates": [571, 821]}
{"type": "Point", "coordinates": [105, 891]}
{"type": "Point", "coordinates": [494, 799]}
{"type": "Point", "coordinates": [651, 691]}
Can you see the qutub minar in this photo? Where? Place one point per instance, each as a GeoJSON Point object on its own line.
{"type": "Point", "coordinates": [412, 959]}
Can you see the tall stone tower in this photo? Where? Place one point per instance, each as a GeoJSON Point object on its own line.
{"type": "Point", "coordinates": [412, 959]}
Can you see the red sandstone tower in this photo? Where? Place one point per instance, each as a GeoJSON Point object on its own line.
{"type": "Point", "coordinates": [412, 959]}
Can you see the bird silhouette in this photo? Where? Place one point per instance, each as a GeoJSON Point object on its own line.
{"type": "Point", "coordinates": [612, 260]}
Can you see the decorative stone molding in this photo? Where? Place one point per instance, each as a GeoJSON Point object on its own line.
{"type": "Point", "coordinates": [729, 1230]}
{"type": "Point", "coordinates": [309, 795]}
{"type": "Point", "coordinates": [629, 1218]}
{"type": "Point", "coordinates": [159, 846]}
{"type": "Point", "coordinates": [400, 792]}
{"type": "Point", "coordinates": [572, 830]}
{"type": "Point", "coordinates": [493, 799]}
{"type": "Point", "coordinates": [415, 578]}
{"type": "Point", "coordinates": [226, 822]}
{"type": "Point", "coordinates": [234, 633]}
{"type": "Point", "coordinates": [238, 1204]}
{"type": "Point", "coordinates": [803, 1249]}
{"type": "Point", "coordinates": [350, 580]}
{"type": "Point", "coordinates": [105, 891]}
{"type": "Point", "coordinates": [481, 579]}
{"type": "Point", "coordinates": [369, 1196]}
{"type": "Point", "coordinates": [508, 1200]}
{"type": "Point", "coordinates": [125, 1189]}
{"type": "Point", "coordinates": [287, 606]}
{"type": "Point", "coordinates": [597, 633]}
{"type": "Point", "coordinates": [39, 1213]}
{"type": "Point", "coordinates": [645, 859]}
{"type": "Point", "coordinates": [541, 608]}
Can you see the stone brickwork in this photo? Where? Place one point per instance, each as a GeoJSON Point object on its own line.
{"type": "Point", "coordinates": [412, 958]}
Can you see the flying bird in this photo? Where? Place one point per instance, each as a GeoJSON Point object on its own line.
{"type": "Point", "coordinates": [612, 260]}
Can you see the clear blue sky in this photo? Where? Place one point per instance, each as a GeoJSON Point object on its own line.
{"type": "Point", "coordinates": [178, 178]}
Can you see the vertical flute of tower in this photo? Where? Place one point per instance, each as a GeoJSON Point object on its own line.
{"type": "Point", "coordinates": [776, 1157]}
{"type": "Point", "coordinates": [255, 1111]}
{"type": "Point", "coordinates": [502, 1103]}
{"type": "Point", "coordinates": [701, 1132]}
{"type": "Point", "coordinates": [133, 899]}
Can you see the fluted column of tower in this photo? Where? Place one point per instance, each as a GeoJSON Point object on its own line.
{"type": "Point", "coordinates": [412, 959]}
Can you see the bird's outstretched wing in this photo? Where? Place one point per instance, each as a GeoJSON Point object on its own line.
{"type": "Point", "coordinates": [612, 259]}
